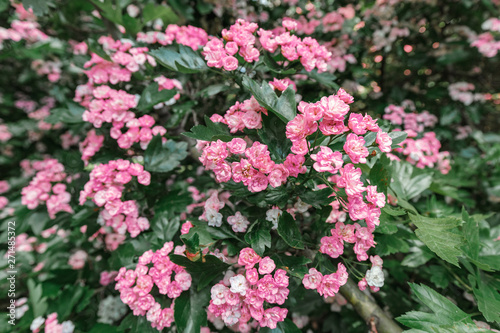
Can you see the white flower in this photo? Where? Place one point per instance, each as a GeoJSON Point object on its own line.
{"type": "Point", "coordinates": [301, 206]}
{"type": "Point", "coordinates": [37, 322]}
{"type": "Point", "coordinates": [273, 215]}
{"type": "Point", "coordinates": [214, 218]}
{"type": "Point", "coordinates": [68, 327]}
{"type": "Point", "coordinates": [111, 309]}
{"type": "Point", "coordinates": [219, 292]}
{"type": "Point", "coordinates": [375, 277]}
{"type": "Point", "coordinates": [239, 284]}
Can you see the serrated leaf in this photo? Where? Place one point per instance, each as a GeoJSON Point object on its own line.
{"type": "Point", "coordinates": [40, 7]}
{"type": "Point", "coordinates": [397, 137]}
{"type": "Point", "coordinates": [211, 132]}
{"type": "Point", "coordinates": [164, 157]}
{"type": "Point", "coordinates": [151, 96]}
{"type": "Point", "coordinates": [183, 60]}
{"type": "Point", "coordinates": [295, 266]}
{"type": "Point", "coordinates": [317, 198]}
{"type": "Point", "coordinates": [259, 237]}
{"type": "Point", "coordinates": [488, 298]}
{"type": "Point", "coordinates": [289, 231]}
{"type": "Point", "coordinates": [189, 310]}
{"type": "Point", "coordinates": [284, 106]}
{"type": "Point", "coordinates": [71, 114]}
{"type": "Point", "coordinates": [434, 233]}
{"type": "Point", "coordinates": [326, 79]}
{"type": "Point", "coordinates": [203, 271]}
{"type": "Point", "coordinates": [152, 12]}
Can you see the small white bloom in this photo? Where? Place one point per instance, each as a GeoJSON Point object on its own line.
{"type": "Point", "coordinates": [239, 284]}
{"type": "Point", "coordinates": [67, 327]}
{"type": "Point", "coordinates": [37, 322]}
{"type": "Point", "coordinates": [375, 277]}
{"type": "Point", "coordinates": [273, 215]}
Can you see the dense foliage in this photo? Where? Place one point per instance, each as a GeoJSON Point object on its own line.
{"type": "Point", "coordinates": [272, 166]}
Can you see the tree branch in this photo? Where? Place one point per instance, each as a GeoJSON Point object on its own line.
{"type": "Point", "coordinates": [368, 309]}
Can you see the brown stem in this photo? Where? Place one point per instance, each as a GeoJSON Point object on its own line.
{"type": "Point", "coordinates": [368, 309]}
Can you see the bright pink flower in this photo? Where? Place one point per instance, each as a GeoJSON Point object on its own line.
{"type": "Point", "coordinates": [266, 266]}
{"type": "Point", "coordinates": [313, 279]}
{"type": "Point", "coordinates": [354, 147]}
{"type": "Point", "coordinates": [248, 258]}
{"type": "Point", "coordinates": [327, 160]}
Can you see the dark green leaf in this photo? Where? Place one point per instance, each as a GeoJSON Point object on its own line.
{"type": "Point", "coordinates": [259, 237]}
{"type": "Point", "coordinates": [437, 235]}
{"type": "Point", "coordinates": [211, 132]}
{"type": "Point", "coordinates": [185, 60]}
{"type": "Point", "coordinates": [289, 231]}
{"type": "Point", "coordinates": [204, 270]}
{"type": "Point", "coordinates": [189, 310]}
{"type": "Point", "coordinates": [164, 157]}
{"type": "Point", "coordinates": [151, 96]}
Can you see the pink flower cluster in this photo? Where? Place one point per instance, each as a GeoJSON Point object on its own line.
{"type": "Point", "coordinates": [464, 92]}
{"type": "Point", "coordinates": [140, 130]}
{"type": "Point", "coordinates": [247, 114]}
{"type": "Point", "coordinates": [363, 283]}
{"type": "Point", "coordinates": [420, 148]}
{"type": "Point", "coordinates": [239, 39]}
{"type": "Point", "coordinates": [105, 187]}
{"type": "Point", "coordinates": [326, 285]}
{"type": "Point", "coordinates": [412, 122]}
{"type": "Point", "coordinates": [91, 145]}
{"type": "Point", "coordinates": [154, 269]}
{"type": "Point", "coordinates": [77, 260]}
{"type": "Point", "coordinates": [256, 171]}
{"type": "Point", "coordinates": [52, 325]}
{"type": "Point", "coordinates": [42, 190]}
{"type": "Point", "coordinates": [241, 297]}
{"type": "Point", "coordinates": [308, 51]}
{"type": "Point", "coordinates": [5, 134]}
{"type": "Point", "coordinates": [486, 42]}
{"type": "Point", "coordinates": [186, 35]}
{"type": "Point", "coordinates": [110, 106]}
{"type": "Point", "coordinates": [330, 113]}
{"type": "Point", "coordinates": [50, 68]}
{"type": "Point", "coordinates": [25, 28]}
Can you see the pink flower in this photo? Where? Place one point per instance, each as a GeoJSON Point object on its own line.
{"type": "Point", "coordinates": [312, 280]}
{"type": "Point", "coordinates": [248, 258]}
{"type": "Point", "coordinates": [266, 265]}
{"type": "Point", "coordinates": [350, 180]}
{"type": "Point", "coordinates": [238, 222]}
{"type": "Point", "coordinates": [354, 147]}
{"type": "Point", "coordinates": [357, 124]}
{"type": "Point", "coordinates": [252, 276]}
{"type": "Point", "coordinates": [272, 316]}
{"type": "Point", "coordinates": [384, 142]}
{"type": "Point", "coordinates": [230, 63]}
{"type": "Point", "coordinates": [375, 197]}
{"type": "Point", "coordinates": [237, 146]}
{"type": "Point", "coordinates": [332, 246]}
{"type": "Point", "coordinates": [327, 160]}
{"type": "Point", "coordinates": [334, 108]}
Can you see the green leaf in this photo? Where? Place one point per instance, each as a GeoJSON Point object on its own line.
{"type": "Point", "coordinates": [211, 132]}
{"type": "Point", "coordinates": [38, 304]}
{"type": "Point", "coordinates": [163, 228]}
{"type": "Point", "coordinates": [273, 66]}
{"type": "Point", "coordinates": [40, 7]}
{"type": "Point", "coordinates": [152, 12]}
{"type": "Point", "coordinates": [164, 157]}
{"type": "Point", "coordinates": [289, 231]}
{"type": "Point", "coordinates": [185, 60]}
{"type": "Point", "coordinates": [295, 266]}
{"type": "Point", "coordinates": [151, 96]}
{"type": "Point", "coordinates": [284, 106]}
{"type": "Point", "coordinates": [72, 114]}
{"type": "Point", "coordinates": [434, 232]}
{"type": "Point", "coordinates": [471, 234]}
{"type": "Point", "coordinates": [203, 271]}
{"type": "Point", "coordinates": [326, 79]}
{"type": "Point", "coordinates": [273, 134]}
{"type": "Point", "coordinates": [189, 310]}
{"type": "Point", "coordinates": [109, 10]}
{"type": "Point", "coordinates": [132, 25]}
{"type": "Point", "coordinates": [397, 137]}
{"type": "Point", "coordinates": [408, 182]}
{"type": "Point", "coordinates": [488, 298]}
{"type": "Point", "coordinates": [259, 237]}
{"type": "Point", "coordinates": [390, 244]}
{"type": "Point", "coordinates": [317, 198]}
{"type": "Point", "coordinates": [172, 203]}
{"type": "Point", "coordinates": [440, 305]}
{"type": "Point", "coordinates": [103, 328]}
{"type": "Point", "coordinates": [380, 174]}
